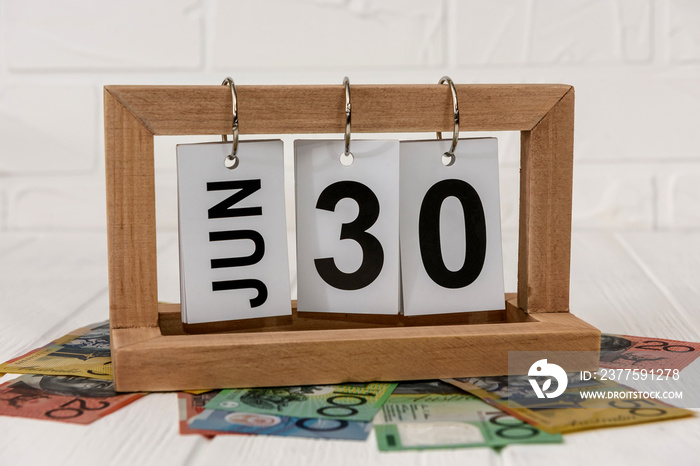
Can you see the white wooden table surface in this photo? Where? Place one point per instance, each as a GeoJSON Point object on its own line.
{"type": "Point", "coordinates": [645, 284]}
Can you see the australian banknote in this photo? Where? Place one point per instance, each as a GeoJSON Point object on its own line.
{"type": "Point", "coordinates": [84, 352]}
{"type": "Point", "coordinates": [428, 415]}
{"type": "Point", "coordinates": [424, 387]}
{"type": "Point", "coordinates": [285, 426]}
{"type": "Point", "coordinates": [76, 400]}
{"type": "Point", "coordinates": [605, 403]}
{"type": "Point", "coordinates": [349, 402]}
{"type": "Point", "coordinates": [628, 352]}
{"type": "Point", "coordinates": [189, 406]}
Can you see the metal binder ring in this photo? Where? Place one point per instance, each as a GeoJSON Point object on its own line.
{"type": "Point", "coordinates": [347, 158]}
{"type": "Point", "coordinates": [231, 161]}
{"type": "Point", "coordinates": [448, 158]}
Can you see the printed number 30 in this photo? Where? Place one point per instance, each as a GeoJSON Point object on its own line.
{"type": "Point", "coordinates": [428, 233]}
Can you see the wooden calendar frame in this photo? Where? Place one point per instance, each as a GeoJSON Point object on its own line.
{"type": "Point", "coordinates": [150, 350]}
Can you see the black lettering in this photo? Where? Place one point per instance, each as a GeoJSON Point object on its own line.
{"type": "Point", "coordinates": [225, 285]}
{"type": "Point", "coordinates": [372, 251]}
{"type": "Point", "coordinates": [223, 209]}
{"type": "Point", "coordinates": [252, 235]}
{"type": "Point", "coordinates": [429, 233]}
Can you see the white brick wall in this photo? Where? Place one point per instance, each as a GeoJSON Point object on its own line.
{"type": "Point", "coordinates": [287, 34]}
{"type": "Point", "coordinates": [679, 193]}
{"type": "Point", "coordinates": [539, 32]}
{"type": "Point", "coordinates": [683, 31]}
{"type": "Point", "coordinates": [3, 210]}
{"type": "Point", "coordinates": [613, 196]}
{"type": "Point", "coordinates": [83, 35]}
{"type": "Point", "coordinates": [635, 65]}
{"type": "Point", "coordinates": [48, 129]}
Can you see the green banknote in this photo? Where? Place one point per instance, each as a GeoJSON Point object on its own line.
{"type": "Point", "coordinates": [350, 402]}
{"type": "Point", "coordinates": [425, 387]}
{"type": "Point", "coordinates": [585, 404]}
{"type": "Point", "coordinates": [84, 352]}
{"type": "Point", "coordinates": [449, 420]}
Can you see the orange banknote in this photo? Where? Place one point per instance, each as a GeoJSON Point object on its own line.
{"type": "Point", "coordinates": [77, 400]}
{"type": "Point", "coordinates": [628, 352]}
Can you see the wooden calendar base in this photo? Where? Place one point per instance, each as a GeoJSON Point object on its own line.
{"type": "Point", "coordinates": [319, 349]}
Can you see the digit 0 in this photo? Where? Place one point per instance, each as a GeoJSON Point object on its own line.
{"type": "Point", "coordinates": [302, 424]}
{"type": "Point", "coordinates": [508, 430]}
{"type": "Point", "coordinates": [429, 233]}
{"type": "Point", "coordinates": [346, 409]}
{"type": "Point", "coordinates": [636, 407]}
{"type": "Point", "coordinates": [372, 251]}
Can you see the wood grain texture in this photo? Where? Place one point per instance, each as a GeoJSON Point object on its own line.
{"type": "Point", "coordinates": [546, 174]}
{"type": "Point", "coordinates": [131, 218]}
{"type": "Point", "coordinates": [116, 440]}
{"type": "Point", "coordinates": [50, 284]}
{"type": "Point", "coordinates": [177, 110]}
{"type": "Point", "coordinates": [325, 356]}
{"type": "Point", "coordinates": [647, 444]}
{"type": "Point", "coordinates": [170, 321]}
{"type": "Point", "coordinates": [663, 261]}
{"type": "Point", "coordinates": [612, 292]}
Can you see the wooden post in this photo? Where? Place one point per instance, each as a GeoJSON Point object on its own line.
{"type": "Point", "coordinates": [131, 219]}
{"type": "Point", "coordinates": [544, 241]}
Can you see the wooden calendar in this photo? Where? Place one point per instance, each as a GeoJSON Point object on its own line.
{"type": "Point", "coordinates": [152, 351]}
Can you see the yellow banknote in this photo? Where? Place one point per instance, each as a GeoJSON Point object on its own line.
{"type": "Point", "coordinates": [583, 405]}
{"type": "Point", "coordinates": [84, 352]}
{"type": "Point", "coordinates": [197, 392]}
